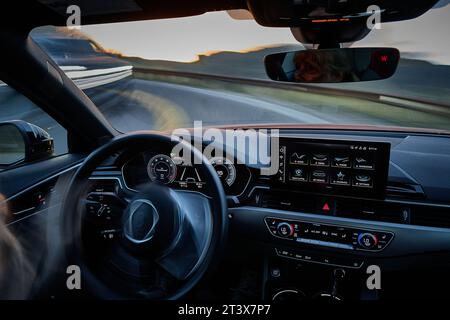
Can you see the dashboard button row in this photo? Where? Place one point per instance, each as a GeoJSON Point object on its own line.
{"type": "Point", "coordinates": [336, 177]}
{"type": "Point", "coordinates": [328, 235]}
{"type": "Point", "coordinates": [318, 258]}
{"type": "Point", "coordinates": [324, 160]}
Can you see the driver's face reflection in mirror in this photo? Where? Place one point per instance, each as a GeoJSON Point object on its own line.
{"type": "Point", "coordinates": [319, 66]}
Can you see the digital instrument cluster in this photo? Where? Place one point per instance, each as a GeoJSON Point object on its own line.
{"type": "Point", "coordinates": [334, 166]}
{"type": "Point", "coordinates": [172, 171]}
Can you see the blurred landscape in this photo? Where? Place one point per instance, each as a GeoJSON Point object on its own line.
{"type": "Point", "coordinates": [414, 79]}
{"type": "Point", "coordinates": [423, 89]}
{"type": "Point", "coordinates": [229, 88]}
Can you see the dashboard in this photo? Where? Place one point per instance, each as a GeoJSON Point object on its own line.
{"type": "Point", "coordinates": [336, 167]}
{"type": "Point", "coordinates": [346, 199]}
{"type": "Point", "coordinates": [339, 199]}
{"type": "Point", "coordinates": [311, 174]}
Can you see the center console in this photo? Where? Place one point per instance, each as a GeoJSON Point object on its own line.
{"type": "Point", "coordinates": [327, 170]}
{"type": "Point", "coordinates": [303, 217]}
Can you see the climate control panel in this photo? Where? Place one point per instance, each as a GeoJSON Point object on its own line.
{"type": "Point", "coordinates": [326, 235]}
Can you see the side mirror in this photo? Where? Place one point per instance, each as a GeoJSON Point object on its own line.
{"type": "Point", "coordinates": [333, 65]}
{"type": "Point", "coordinates": [21, 141]}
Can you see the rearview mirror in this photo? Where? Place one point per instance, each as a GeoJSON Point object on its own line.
{"type": "Point", "coordinates": [21, 141]}
{"type": "Point", "coordinates": [333, 65]}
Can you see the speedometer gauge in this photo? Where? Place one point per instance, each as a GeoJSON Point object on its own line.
{"type": "Point", "coordinates": [225, 170]}
{"type": "Point", "coordinates": [162, 168]}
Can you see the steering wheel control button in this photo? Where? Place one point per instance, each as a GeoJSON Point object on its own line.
{"type": "Point", "coordinates": [331, 236]}
{"type": "Point", "coordinates": [110, 234]}
{"type": "Point", "coordinates": [92, 208]}
{"type": "Point", "coordinates": [285, 230]}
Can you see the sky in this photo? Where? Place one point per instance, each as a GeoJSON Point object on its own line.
{"type": "Point", "coordinates": [183, 39]}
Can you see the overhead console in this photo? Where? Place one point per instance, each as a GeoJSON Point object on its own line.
{"type": "Point", "coordinates": [331, 22]}
{"type": "Point", "coordinates": [337, 167]}
{"type": "Point", "coordinates": [291, 13]}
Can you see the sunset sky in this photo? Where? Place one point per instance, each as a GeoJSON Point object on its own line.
{"type": "Point", "coordinates": [183, 39]}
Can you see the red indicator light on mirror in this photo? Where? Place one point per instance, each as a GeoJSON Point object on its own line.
{"type": "Point", "coordinates": [384, 58]}
{"type": "Point", "coordinates": [326, 207]}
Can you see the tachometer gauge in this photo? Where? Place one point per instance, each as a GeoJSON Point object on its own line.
{"type": "Point", "coordinates": [225, 170]}
{"type": "Point", "coordinates": [162, 168]}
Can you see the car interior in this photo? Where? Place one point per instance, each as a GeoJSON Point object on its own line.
{"type": "Point", "coordinates": [276, 209]}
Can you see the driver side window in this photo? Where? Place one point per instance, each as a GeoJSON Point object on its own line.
{"type": "Point", "coordinates": [19, 115]}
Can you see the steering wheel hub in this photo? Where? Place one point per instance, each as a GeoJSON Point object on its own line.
{"type": "Point", "coordinates": [151, 221]}
{"type": "Point", "coordinates": [141, 220]}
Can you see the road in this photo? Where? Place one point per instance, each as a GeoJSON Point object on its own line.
{"type": "Point", "coordinates": [141, 104]}
{"type": "Point", "coordinates": [136, 104]}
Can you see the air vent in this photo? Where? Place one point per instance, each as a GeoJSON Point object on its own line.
{"type": "Point", "coordinates": [405, 190]}
{"type": "Point", "coordinates": [431, 216]}
{"type": "Point", "coordinates": [365, 209]}
{"type": "Point", "coordinates": [372, 210]}
{"type": "Point", "coordinates": [341, 207]}
{"type": "Point", "coordinates": [286, 201]}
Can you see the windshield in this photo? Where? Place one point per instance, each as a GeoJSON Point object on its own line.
{"type": "Point", "coordinates": [166, 74]}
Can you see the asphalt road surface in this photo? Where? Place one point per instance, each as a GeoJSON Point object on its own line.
{"type": "Point", "coordinates": [141, 104]}
{"type": "Point", "coordinates": [135, 104]}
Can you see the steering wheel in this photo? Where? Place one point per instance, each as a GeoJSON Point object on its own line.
{"type": "Point", "coordinates": [167, 239]}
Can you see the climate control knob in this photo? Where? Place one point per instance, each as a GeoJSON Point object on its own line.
{"type": "Point", "coordinates": [285, 230]}
{"type": "Point", "coordinates": [367, 240]}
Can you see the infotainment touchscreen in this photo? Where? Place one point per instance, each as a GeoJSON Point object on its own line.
{"type": "Point", "coordinates": [351, 168]}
